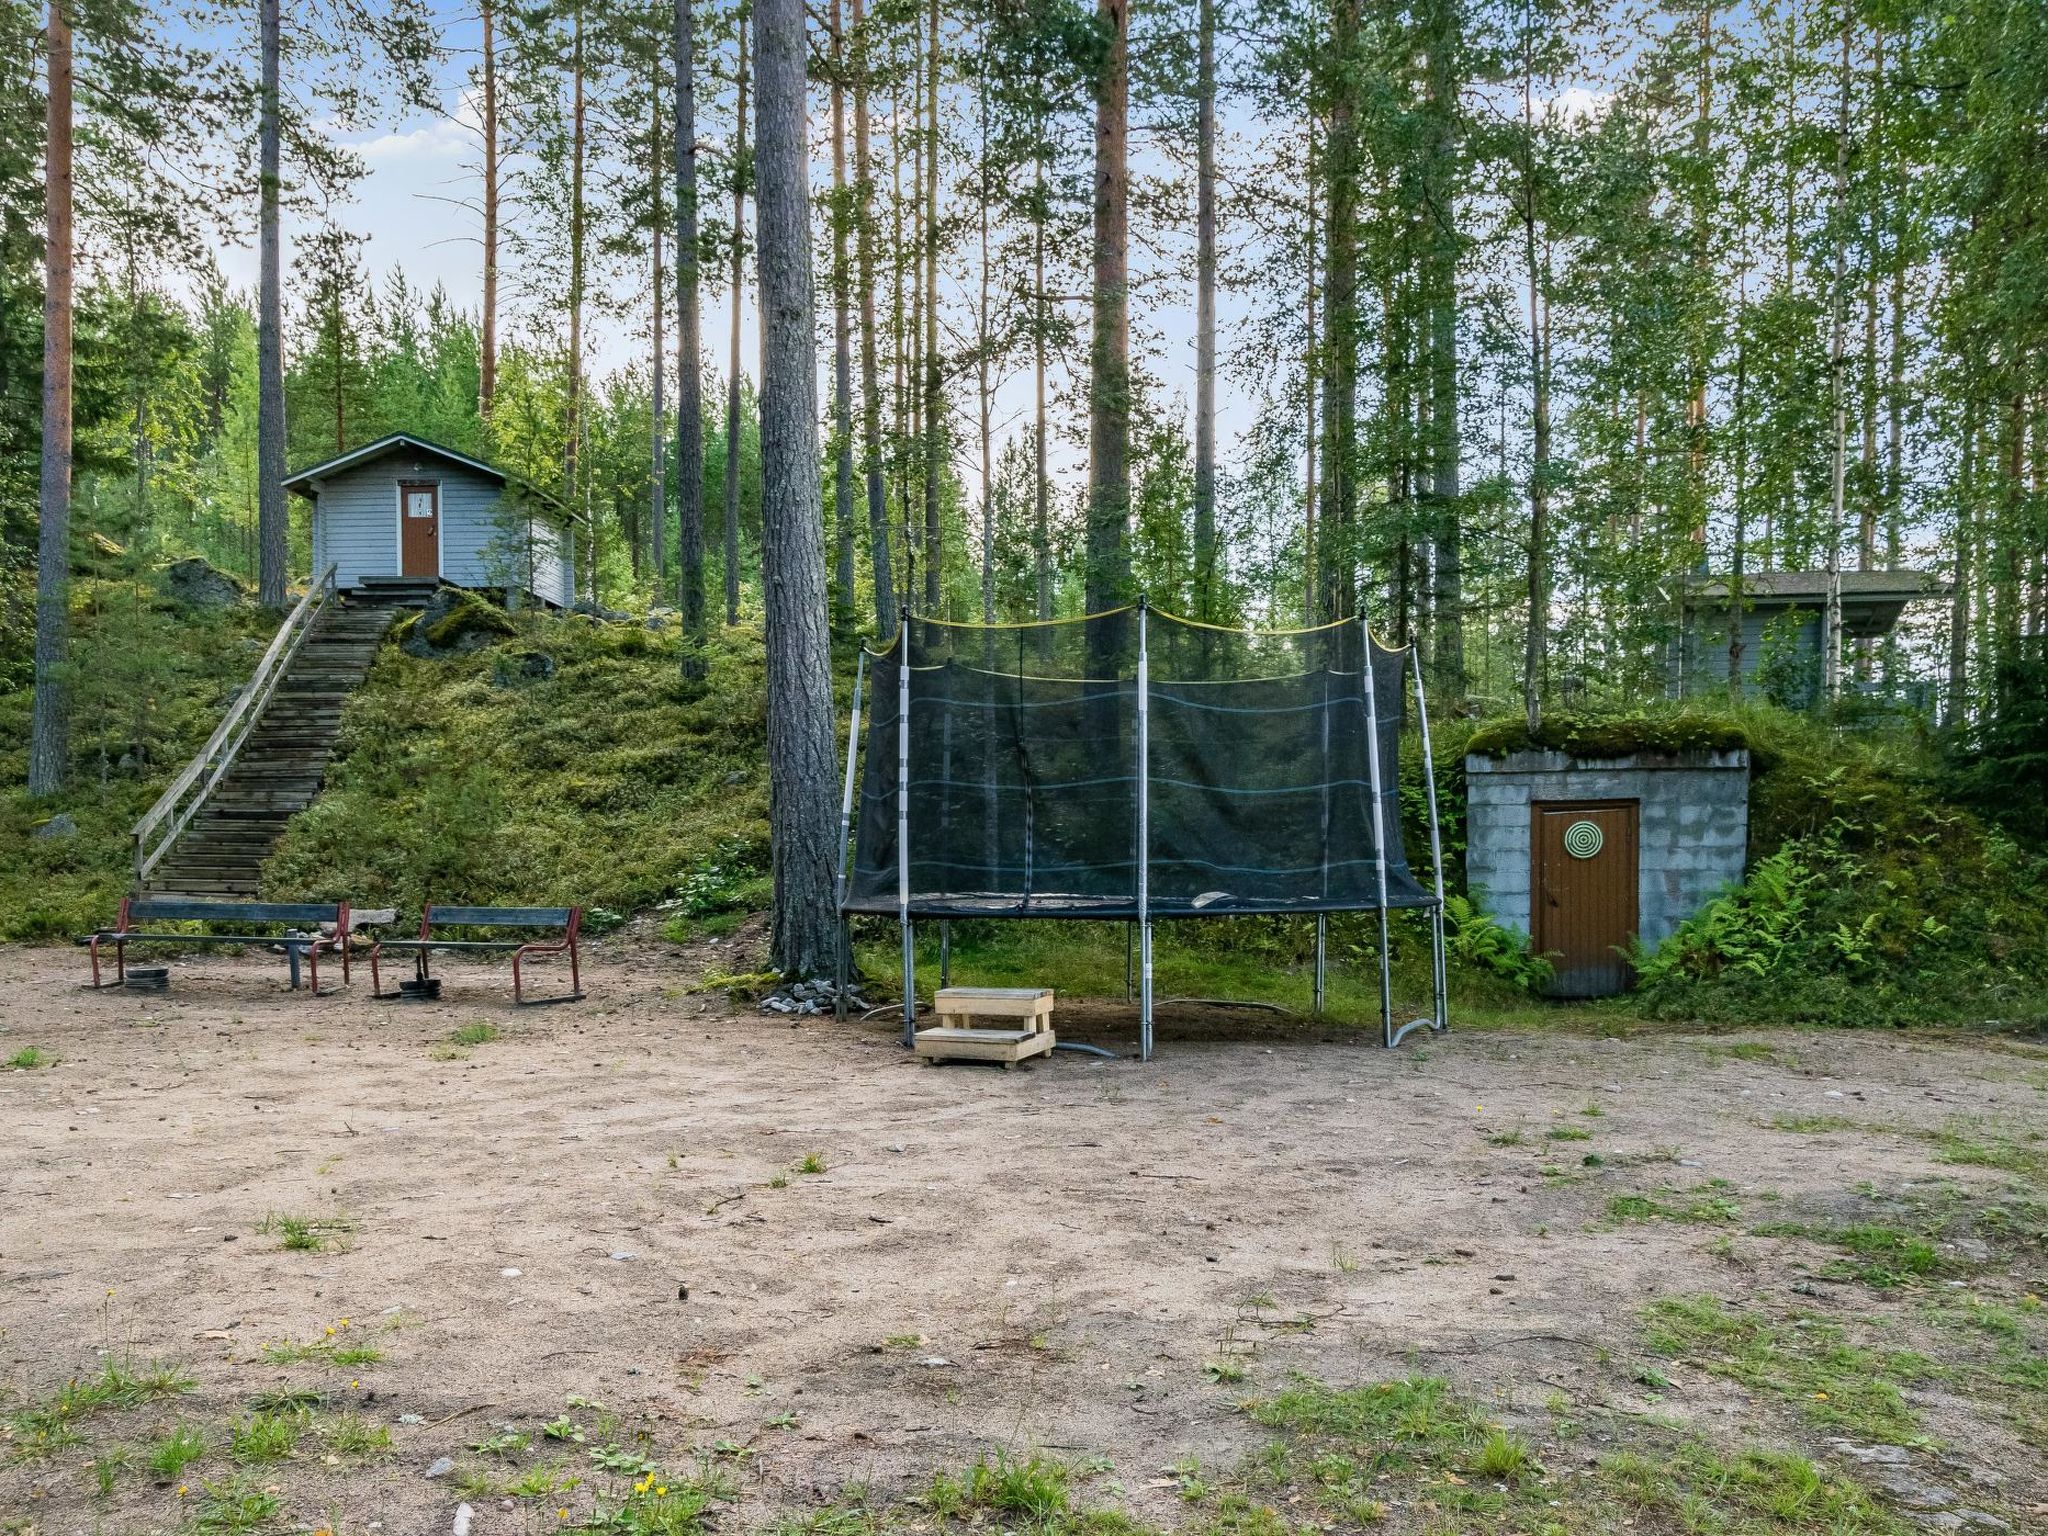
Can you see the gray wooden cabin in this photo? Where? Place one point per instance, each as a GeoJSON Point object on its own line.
{"type": "Point", "coordinates": [405, 507]}
{"type": "Point", "coordinates": [1782, 620]}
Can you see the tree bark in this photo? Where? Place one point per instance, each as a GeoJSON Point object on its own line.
{"type": "Point", "coordinates": [1205, 312]}
{"type": "Point", "coordinates": [842, 341]}
{"type": "Point", "coordinates": [1536, 641]}
{"type": "Point", "coordinates": [732, 385]}
{"type": "Point", "coordinates": [1041, 481]}
{"type": "Point", "coordinates": [270, 451]}
{"type": "Point", "coordinates": [1338, 558]}
{"type": "Point", "coordinates": [49, 728]}
{"type": "Point", "coordinates": [801, 808]}
{"type": "Point", "coordinates": [934, 402]}
{"type": "Point", "coordinates": [573, 406]}
{"type": "Point", "coordinates": [689, 364]}
{"type": "Point", "coordinates": [1109, 361]}
{"type": "Point", "coordinates": [870, 352]}
{"type": "Point", "coordinates": [487, 373]}
{"type": "Point", "coordinates": [1447, 600]}
{"type": "Point", "coordinates": [1831, 633]}
{"type": "Point", "coordinates": [657, 500]}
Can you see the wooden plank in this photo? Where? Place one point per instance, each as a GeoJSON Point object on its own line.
{"type": "Point", "coordinates": [500, 917]}
{"type": "Point", "coordinates": [1007, 1046]}
{"type": "Point", "coordinates": [171, 910]}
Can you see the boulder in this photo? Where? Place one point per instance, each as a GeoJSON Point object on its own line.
{"type": "Point", "coordinates": [58, 828]}
{"type": "Point", "coordinates": [519, 669]}
{"type": "Point", "coordinates": [196, 583]}
{"type": "Point", "coordinates": [454, 623]}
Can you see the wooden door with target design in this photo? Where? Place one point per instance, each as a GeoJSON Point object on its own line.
{"type": "Point", "coordinates": [1582, 889]}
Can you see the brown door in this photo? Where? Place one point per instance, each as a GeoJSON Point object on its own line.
{"type": "Point", "coordinates": [419, 529]}
{"type": "Point", "coordinates": [1582, 884]}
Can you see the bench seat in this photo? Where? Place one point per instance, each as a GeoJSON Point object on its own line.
{"type": "Point", "coordinates": [330, 916]}
{"type": "Point", "coordinates": [567, 920]}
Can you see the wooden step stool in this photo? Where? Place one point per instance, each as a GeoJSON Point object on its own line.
{"type": "Point", "coordinates": [954, 1037]}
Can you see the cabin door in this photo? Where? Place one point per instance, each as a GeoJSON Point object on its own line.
{"type": "Point", "coordinates": [419, 528]}
{"type": "Point", "coordinates": [1583, 890]}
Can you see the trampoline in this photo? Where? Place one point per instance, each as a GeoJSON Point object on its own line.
{"type": "Point", "coordinates": [1134, 766]}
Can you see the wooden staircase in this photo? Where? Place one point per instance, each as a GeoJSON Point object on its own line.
{"type": "Point", "coordinates": [218, 823]}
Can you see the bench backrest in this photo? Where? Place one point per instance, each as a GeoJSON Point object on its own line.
{"type": "Point", "coordinates": [185, 909]}
{"type": "Point", "coordinates": [500, 917]}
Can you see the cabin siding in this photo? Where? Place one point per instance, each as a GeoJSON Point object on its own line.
{"type": "Point", "coordinates": [483, 538]}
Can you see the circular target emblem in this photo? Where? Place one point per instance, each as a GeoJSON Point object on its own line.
{"type": "Point", "coordinates": [1582, 839]}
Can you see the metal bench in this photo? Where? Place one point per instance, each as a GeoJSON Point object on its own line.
{"type": "Point", "coordinates": [568, 919]}
{"type": "Point", "coordinates": [185, 909]}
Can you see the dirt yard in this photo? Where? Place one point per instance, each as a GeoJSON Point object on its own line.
{"type": "Point", "coordinates": [792, 1255]}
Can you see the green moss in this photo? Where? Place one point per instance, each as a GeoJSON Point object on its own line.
{"type": "Point", "coordinates": [469, 617]}
{"type": "Point", "coordinates": [604, 784]}
{"type": "Point", "coordinates": [1610, 736]}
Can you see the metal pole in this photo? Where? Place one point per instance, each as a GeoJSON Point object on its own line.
{"type": "Point", "coordinates": [1379, 835]}
{"type": "Point", "coordinates": [845, 958]}
{"type": "Point", "coordinates": [1130, 961]}
{"type": "Point", "coordinates": [945, 953]}
{"type": "Point", "coordinates": [903, 831]}
{"type": "Point", "coordinates": [1144, 839]}
{"type": "Point", "coordinates": [1322, 949]}
{"type": "Point", "coordinates": [1439, 978]}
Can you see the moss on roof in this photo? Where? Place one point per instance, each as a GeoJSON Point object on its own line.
{"type": "Point", "coordinates": [1610, 736]}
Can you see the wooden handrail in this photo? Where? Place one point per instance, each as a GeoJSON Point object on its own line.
{"type": "Point", "coordinates": [218, 755]}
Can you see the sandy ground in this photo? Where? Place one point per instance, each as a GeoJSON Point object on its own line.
{"type": "Point", "coordinates": [589, 1206]}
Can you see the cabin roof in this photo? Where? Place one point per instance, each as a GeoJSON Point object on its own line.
{"type": "Point", "coordinates": [306, 481]}
{"type": "Point", "coordinates": [1799, 588]}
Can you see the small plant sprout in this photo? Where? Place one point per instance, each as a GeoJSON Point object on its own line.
{"type": "Point", "coordinates": [27, 1059]}
{"type": "Point", "coordinates": [304, 1234]}
{"type": "Point", "coordinates": [1225, 1373]}
{"type": "Point", "coordinates": [813, 1162]}
{"type": "Point", "coordinates": [481, 1032]}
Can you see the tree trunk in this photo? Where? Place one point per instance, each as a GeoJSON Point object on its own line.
{"type": "Point", "coordinates": [1205, 312]}
{"type": "Point", "coordinates": [1337, 571]}
{"type": "Point", "coordinates": [933, 412]}
{"type": "Point", "coordinates": [1109, 361]}
{"type": "Point", "coordinates": [1041, 481]}
{"type": "Point", "coordinates": [1831, 632]}
{"type": "Point", "coordinates": [870, 349]}
{"type": "Point", "coordinates": [842, 342]}
{"type": "Point", "coordinates": [1536, 642]}
{"type": "Point", "coordinates": [270, 465]}
{"type": "Point", "coordinates": [657, 500]}
{"type": "Point", "coordinates": [689, 364]}
{"type": "Point", "coordinates": [1447, 599]}
{"type": "Point", "coordinates": [573, 405]}
{"type": "Point", "coordinates": [49, 729]}
{"type": "Point", "coordinates": [1311, 362]}
{"type": "Point", "coordinates": [732, 386]}
{"type": "Point", "coordinates": [1959, 595]}
{"type": "Point", "coordinates": [801, 807]}
{"type": "Point", "coordinates": [985, 387]}
{"type": "Point", "coordinates": [487, 374]}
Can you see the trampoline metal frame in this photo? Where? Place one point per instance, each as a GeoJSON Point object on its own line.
{"type": "Point", "coordinates": [1391, 1036]}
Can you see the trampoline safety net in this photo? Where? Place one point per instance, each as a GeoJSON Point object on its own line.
{"type": "Point", "coordinates": [1028, 796]}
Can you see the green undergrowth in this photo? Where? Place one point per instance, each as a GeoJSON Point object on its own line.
{"type": "Point", "coordinates": [1269, 960]}
{"type": "Point", "coordinates": [478, 779]}
{"type": "Point", "coordinates": [149, 680]}
{"type": "Point", "coordinates": [1871, 899]}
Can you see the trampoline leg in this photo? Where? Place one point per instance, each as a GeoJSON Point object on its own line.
{"type": "Point", "coordinates": [945, 954]}
{"type": "Point", "coordinates": [1145, 993]}
{"type": "Point", "coordinates": [1386, 984]}
{"type": "Point", "coordinates": [909, 985]}
{"type": "Point", "coordinates": [1322, 952]}
{"type": "Point", "coordinates": [1442, 979]}
{"type": "Point", "coordinates": [1130, 932]}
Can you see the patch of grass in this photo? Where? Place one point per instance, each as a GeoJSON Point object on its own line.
{"type": "Point", "coordinates": [1698, 1488]}
{"type": "Point", "coordinates": [1975, 1145]}
{"type": "Point", "coordinates": [43, 1428]}
{"type": "Point", "coordinates": [1813, 1125]}
{"type": "Point", "coordinates": [175, 1450]}
{"type": "Point", "coordinates": [350, 1434]}
{"type": "Point", "coordinates": [305, 1234]}
{"type": "Point", "coordinates": [27, 1059]}
{"type": "Point", "coordinates": [482, 1032]}
{"type": "Point", "coordinates": [1035, 1488]}
{"type": "Point", "coordinates": [266, 1437]}
{"type": "Point", "coordinates": [1807, 1361]}
{"type": "Point", "coordinates": [536, 1482]}
{"type": "Point", "coordinates": [106, 1468]}
{"type": "Point", "coordinates": [811, 1162]}
{"type": "Point", "coordinates": [1511, 1137]}
{"type": "Point", "coordinates": [1225, 1373]}
{"type": "Point", "coordinates": [234, 1507]}
{"type": "Point", "coordinates": [1707, 1203]}
{"type": "Point", "coordinates": [1567, 1133]}
{"type": "Point", "coordinates": [503, 1442]}
{"type": "Point", "coordinates": [1883, 1257]}
{"type": "Point", "coordinates": [333, 1347]}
